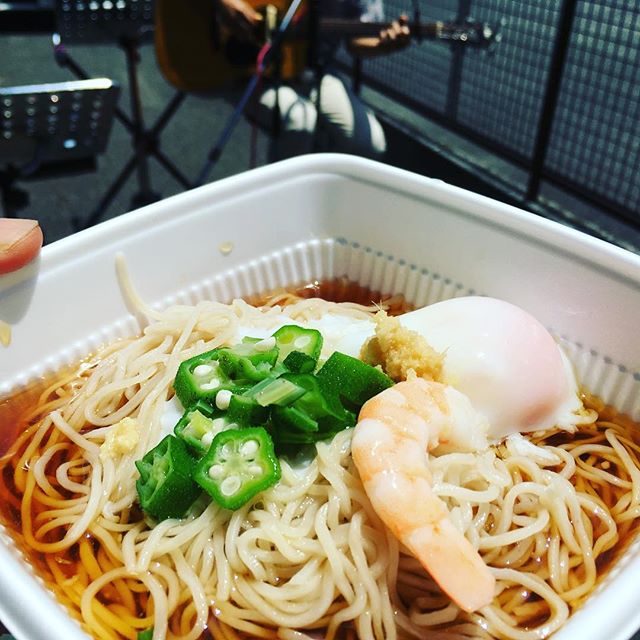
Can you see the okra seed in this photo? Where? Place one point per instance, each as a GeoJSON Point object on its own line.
{"type": "Point", "coordinates": [265, 345]}
{"type": "Point", "coordinates": [226, 451]}
{"type": "Point", "coordinates": [301, 342]}
{"type": "Point", "coordinates": [212, 384]}
{"type": "Point", "coordinates": [218, 424]}
{"type": "Point", "coordinates": [249, 448]}
{"type": "Point", "coordinates": [207, 439]}
{"type": "Point", "coordinates": [223, 398]}
{"type": "Point", "coordinates": [230, 485]}
{"type": "Point", "coordinates": [216, 471]}
{"type": "Point", "coordinates": [255, 469]}
{"type": "Point", "coordinates": [203, 370]}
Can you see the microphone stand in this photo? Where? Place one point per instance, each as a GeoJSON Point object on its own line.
{"type": "Point", "coordinates": [234, 118]}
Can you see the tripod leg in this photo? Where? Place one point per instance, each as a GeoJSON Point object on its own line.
{"type": "Point", "coordinates": [66, 61]}
{"type": "Point", "coordinates": [145, 195]}
{"type": "Point", "coordinates": [177, 175]}
{"type": "Point", "coordinates": [153, 138]}
{"type": "Point", "coordinates": [167, 113]}
{"type": "Point", "coordinates": [97, 214]}
{"type": "Point", "coordinates": [13, 199]}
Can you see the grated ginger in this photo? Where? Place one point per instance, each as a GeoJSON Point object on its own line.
{"type": "Point", "coordinates": [401, 352]}
{"type": "Point", "coordinates": [123, 438]}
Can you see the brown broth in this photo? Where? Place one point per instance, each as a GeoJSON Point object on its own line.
{"type": "Point", "coordinates": [341, 290]}
{"type": "Point", "coordinates": [16, 411]}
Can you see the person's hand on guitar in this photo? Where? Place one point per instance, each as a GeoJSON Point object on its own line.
{"type": "Point", "coordinates": [240, 18]}
{"type": "Point", "coordinates": [394, 38]}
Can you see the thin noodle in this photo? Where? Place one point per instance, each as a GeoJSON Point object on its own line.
{"type": "Point", "coordinates": [309, 555]}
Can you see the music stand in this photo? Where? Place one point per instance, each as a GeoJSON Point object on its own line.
{"type": "Point", "coordinates": [128, 23]}
{"type": "Point", "coordinates": [104, 21]}
{"type": "Point", "coordinates": [52, 129]}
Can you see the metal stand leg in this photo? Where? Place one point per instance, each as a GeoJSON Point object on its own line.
{"type": "Point", "coordinates": [145, 194]}
{"type": "Point", "coordinates": [97, 214]}
{"type": "Point", "coordinates": [215, 153]}
{"type": "Point", "coordinates": [152, 138]}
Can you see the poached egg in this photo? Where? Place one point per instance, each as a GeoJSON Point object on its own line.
{"type": "Point", "coordinates": [500, 357]}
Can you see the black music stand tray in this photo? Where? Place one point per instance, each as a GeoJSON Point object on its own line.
{"type": "Point", "coordinates": [52, 129]}
{"type": "Point", "coordinates": [128, 23]}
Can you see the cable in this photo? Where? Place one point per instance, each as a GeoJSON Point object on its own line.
{"type": "Point", "coordinates": [253, 144]}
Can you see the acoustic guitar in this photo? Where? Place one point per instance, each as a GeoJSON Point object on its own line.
{"type": "Point", "coordinates": [196, 53]}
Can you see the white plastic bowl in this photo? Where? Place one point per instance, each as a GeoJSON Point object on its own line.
{"type": "Point", "coordinates": [314, 218]}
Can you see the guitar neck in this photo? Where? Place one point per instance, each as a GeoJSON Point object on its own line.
{"type": "Point", "coordinates": [356, 28]}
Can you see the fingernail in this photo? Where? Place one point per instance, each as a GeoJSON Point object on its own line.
{"type": "Point", "coordinates": [12, 230]}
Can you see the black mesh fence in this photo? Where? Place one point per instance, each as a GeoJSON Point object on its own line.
{"type": "Point", "coordinates": [421, 72]}
{"type": "Point", "coordinates": [501, 93]}
{"type": "Point", "coordinates": [595, 141]}
{"type": "Point", "coordinates": [575, 125]}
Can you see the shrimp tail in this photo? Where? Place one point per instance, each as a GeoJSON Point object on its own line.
{"type": "Point", "coordinates": [390, 447]}
{"type": "Point", "coordinates": [454, 564]}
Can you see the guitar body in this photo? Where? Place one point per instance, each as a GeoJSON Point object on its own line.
{"type": "Point", "coordinates": [195, 53]}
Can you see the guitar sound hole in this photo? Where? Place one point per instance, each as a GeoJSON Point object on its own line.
{"type": "Point", "coordinates": [241, 53]}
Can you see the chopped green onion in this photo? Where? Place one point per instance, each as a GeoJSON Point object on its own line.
{"type": "Point", "coordinates": [278, 391]}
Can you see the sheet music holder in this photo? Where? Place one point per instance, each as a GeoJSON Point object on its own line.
{"type": "Point", "coordinates": [104, 21]}
{"type": "Point", "coordinates": [26, 16]}
{"type": "Point", "coordinates": [52, 129]}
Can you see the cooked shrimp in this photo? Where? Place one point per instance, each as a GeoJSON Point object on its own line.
{"type": "Point", "coordinates": [395, 431]}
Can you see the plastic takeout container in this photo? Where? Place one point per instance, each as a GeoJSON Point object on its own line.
{"type": "Point", "coordinates": [315, 218]}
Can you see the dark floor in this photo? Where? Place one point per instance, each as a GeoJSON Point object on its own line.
{"type": "Point", "coordinates": [187, 139]}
